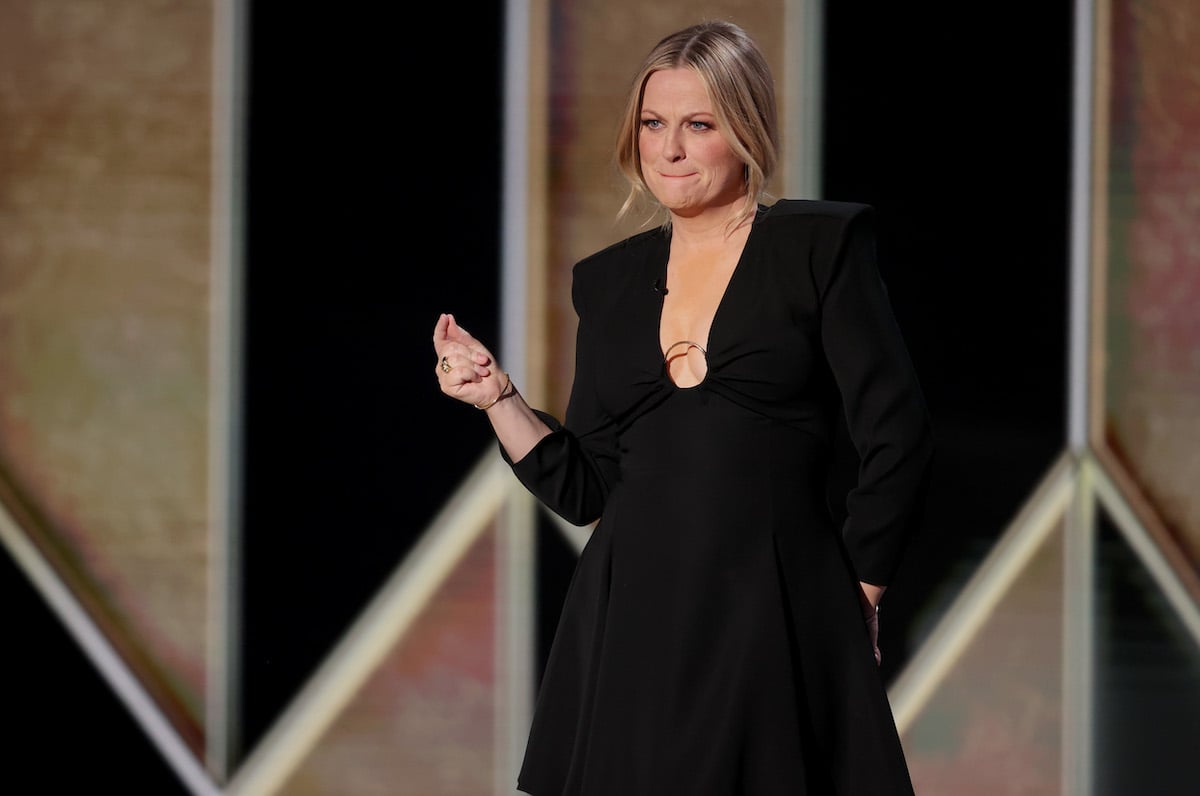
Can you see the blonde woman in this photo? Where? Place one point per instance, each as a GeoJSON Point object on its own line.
{"type": "Point", "coordinates": [719, 635]}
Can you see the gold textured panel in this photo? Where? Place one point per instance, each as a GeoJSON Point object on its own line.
{"type": "Point", "coordinates": [1149, 262]}
{"type": "Point", "coordinates": [425, 722]}
{"type": "Point", "coordinates": [104, 280]}
{"type": "Point", "coordinates": [993, 728]}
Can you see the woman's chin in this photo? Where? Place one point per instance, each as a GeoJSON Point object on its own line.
{"type": "Point", "coordinates": [682, 205]}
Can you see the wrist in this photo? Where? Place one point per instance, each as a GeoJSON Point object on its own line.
{"type": "Point", "coordinates": [507, 391]}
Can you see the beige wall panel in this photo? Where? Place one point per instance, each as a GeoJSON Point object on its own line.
{"type": "Point", "coordinates": [1151, 258]}
{"type": "Point", "coordinates": [104, 296]}
{"type": "Point", "coordinates": [595, 48]}
{"type": "Point", "coordinates": [994, 726]}
{"type": "Point", "coordinates": [425, 722]}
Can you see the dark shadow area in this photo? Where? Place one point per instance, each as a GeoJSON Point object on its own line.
{"type": "Point", "coordinates": [373, 205]}
{"type": "Point", "coordinates": [1147, 719]}
{"type": "Point", "coordinates": [555, 559]}
{"type": "Point", "coordinates": [66, 731]}
{"type": "Point", "coordinates": [960, 137]}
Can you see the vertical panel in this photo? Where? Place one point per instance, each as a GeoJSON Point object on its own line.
{"type": "Point", "coordinates": [993, 726]}
{"type": "Point", "coordinates": [1147, 703]}
{"type": "Point", "coordinates": [424, 723]}
{"type": "Point", "coordinates": [104, 317]}
{"type": "Point", "coordinates": [1150, 320]}
{"type": "Point", "coordinates": [223, 686]}
{"type": "Point", "coordinates": [368, 212]}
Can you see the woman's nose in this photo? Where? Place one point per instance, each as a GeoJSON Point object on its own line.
{"type": "Point", "coordinates": [673, 147]}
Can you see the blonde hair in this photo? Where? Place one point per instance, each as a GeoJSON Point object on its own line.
{"type": "Point", "coordinates": [739, 83]}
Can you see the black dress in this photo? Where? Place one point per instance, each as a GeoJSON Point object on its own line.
{"type": "Point", "coordinates": [711, 640]}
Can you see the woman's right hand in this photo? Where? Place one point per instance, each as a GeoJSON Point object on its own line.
{"type": "Point", "coordinates": [465, 368]}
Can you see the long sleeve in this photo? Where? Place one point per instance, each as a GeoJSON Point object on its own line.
{"type": "Point", "coordinates": [885, 409]}
{"type": "Point", "coordinates": [573, 469]}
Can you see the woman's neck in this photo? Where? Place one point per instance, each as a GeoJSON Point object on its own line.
{"type": "Point", "coordinates": [714, 226]}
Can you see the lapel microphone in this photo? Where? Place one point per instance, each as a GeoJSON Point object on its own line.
{"type": "Point", "coordinates": [659, 287]}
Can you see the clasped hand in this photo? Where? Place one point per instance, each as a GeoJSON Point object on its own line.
{"type": "Point", "coordinates": [465, 368]}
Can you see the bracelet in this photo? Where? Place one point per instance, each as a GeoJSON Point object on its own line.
{"type": "Point", "coordinates": [504, 393]}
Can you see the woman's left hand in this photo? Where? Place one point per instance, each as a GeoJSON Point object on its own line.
{"type": "Point", "coordinates": [872, 619]}
{"type": "Point", "coordinates": [869, 595]}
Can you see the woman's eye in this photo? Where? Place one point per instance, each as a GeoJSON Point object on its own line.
{"type": "Point", "coordinates": [651, 124]}
{"type": "Point", "coordinates": [700, 125]}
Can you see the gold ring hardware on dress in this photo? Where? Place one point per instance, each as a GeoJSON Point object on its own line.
{"type": "Point", "coordinates": [445, 365]}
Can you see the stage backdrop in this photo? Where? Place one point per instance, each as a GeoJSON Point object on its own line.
{"type": "Point", "coordinates": [105, 277]}
{"type": "Point", "coordinates": [108, 273]}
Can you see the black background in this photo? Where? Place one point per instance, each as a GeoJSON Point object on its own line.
{"type": "Point", "coordinates": [367, 153]}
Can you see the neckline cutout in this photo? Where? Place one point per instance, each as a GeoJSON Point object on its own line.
{"type": "Point", "coordinates": [712, 324]}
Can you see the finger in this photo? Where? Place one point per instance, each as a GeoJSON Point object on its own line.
{"type": "Point", "coordinates": [472, 348]}
{"type": "Point", "coordinates": [453, 341]}
{"type": "Point", "coordinates": [459, 363]}
{"type": "Point", "coordinates": [440, 328]}
{"type": "Point", "coordinates": [458, 333]}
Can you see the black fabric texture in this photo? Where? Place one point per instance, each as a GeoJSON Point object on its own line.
{"type": "Point", "coordinates": [711, 639]}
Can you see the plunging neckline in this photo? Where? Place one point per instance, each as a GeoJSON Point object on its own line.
{"type": "Point", "coordinates": [712, 324]}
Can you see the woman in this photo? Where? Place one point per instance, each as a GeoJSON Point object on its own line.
{"type": "Point", "coordinates": [719, 633]}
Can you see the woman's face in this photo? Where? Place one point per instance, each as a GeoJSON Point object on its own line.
{"type": "Point", "coordinates": [686, 161]}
